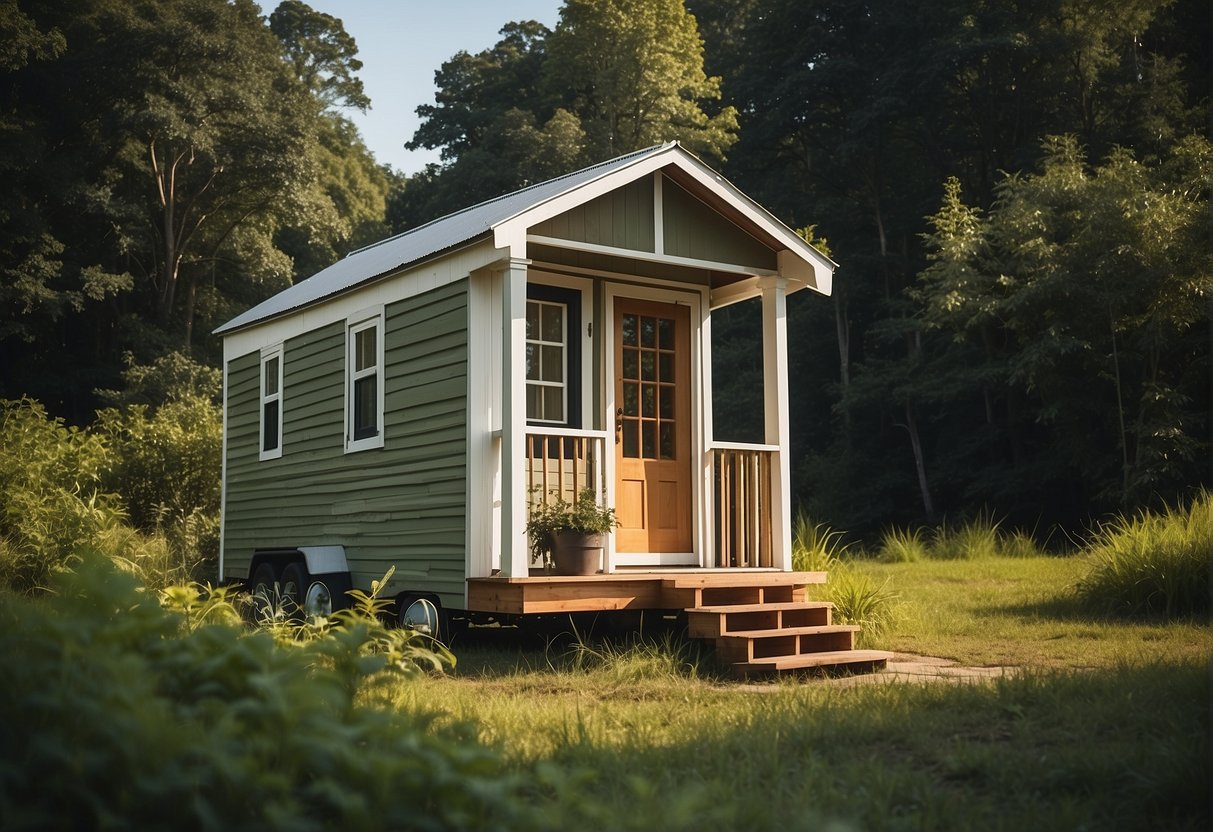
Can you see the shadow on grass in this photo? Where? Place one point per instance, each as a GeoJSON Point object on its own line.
{"type": "Point", "coordinates": [654, 647]}
{"type": "Point", "coordinates": [1058, 608]}
{"type": "Point", "coordinates": [1073, 610]}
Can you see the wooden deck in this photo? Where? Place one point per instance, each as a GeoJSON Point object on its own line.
{"type": "Point", "coordinates": [759, 620]}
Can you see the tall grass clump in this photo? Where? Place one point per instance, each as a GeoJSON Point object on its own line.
{"type": "Point", "coordinates": [815, 546]}
{"type": "Point", "coordinates": [859, 599]}
{"type": "Point", "coordinates": [1152, 563]}
{"type": "Point", "coordinates": [1019, 544]}
{"type": "Point", "coordinates": [637, 659]}
{"type": "Point", "coordinates": [902, 546]}
{"type": "Point", "coordinates": [973, 539]}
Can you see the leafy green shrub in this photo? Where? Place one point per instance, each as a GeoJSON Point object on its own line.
{"type": "Point", "coordinates": [815, 546]}
{"type": "Point", "coordinates": [972, 539]}
{"type": "Point", "coordinates": [166, 466]}
{"type": "Point", "coordinates": [858, 599]}
{"type": "Point", "coordinates": [116, 714]}
{"type": "Point", "coordinates": [898, 546]}
{"type": "Point", "coordinates": [1152, 563]}
{"type": "Point", "coordinates": [52, 501]}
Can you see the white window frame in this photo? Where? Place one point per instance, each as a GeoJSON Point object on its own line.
{"type": "Point", "coordinates": [354, 325]}
{"type": "Point", "coordinates": [268, 354]}
{"type": "Point", "coordinates": [563, 384]}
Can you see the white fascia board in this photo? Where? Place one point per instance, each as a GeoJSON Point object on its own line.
{"type": "Point", "coordinates": [409, 283]}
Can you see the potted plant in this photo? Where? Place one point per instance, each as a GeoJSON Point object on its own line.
{"type": "Point", "coordinates": [569, 538]}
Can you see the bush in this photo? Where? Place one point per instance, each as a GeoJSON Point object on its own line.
{"type": "Point", "coordinates": [166, 466]}
{"type": "Point", "coordinates": [51, 498]}
{"type": "Point", "coordinates": [114, 714]}
{"type": "Point", "coordinates": [1152, 563]}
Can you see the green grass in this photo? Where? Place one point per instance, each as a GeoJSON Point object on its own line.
{"type": "Point", "coordinates": [1105, 726]}
{"type": "Point", "coordinates": [1022, 612]}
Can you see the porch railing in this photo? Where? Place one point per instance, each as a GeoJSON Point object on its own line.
{"type": "Point", "coordinates": [561, 462]}
{"type": "Point", "coordinates": [742, 482]}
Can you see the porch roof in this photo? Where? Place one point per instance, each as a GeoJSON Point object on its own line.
{"type": "Point", "coordinates": [507, 217]}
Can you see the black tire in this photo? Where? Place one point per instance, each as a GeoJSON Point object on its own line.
{"type": "Point", "coordinates": [263, 587]}
{"type": "Point", "coordinates": [294, 584]}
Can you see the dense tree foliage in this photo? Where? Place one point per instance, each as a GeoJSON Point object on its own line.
{"type": "Point", "coordinates": [853, 116]}
{"type": "Point", "coordinates": [615, 76]}
{"type": "Point", "coordinates": [164, 165]}
{"type": "Point", "coordinates": [1017, 192]}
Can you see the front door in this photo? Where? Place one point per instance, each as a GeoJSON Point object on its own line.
{"type": "Point", "coordinates": [652, 427]}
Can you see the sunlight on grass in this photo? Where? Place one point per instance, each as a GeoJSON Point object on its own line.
{"type": "Point", "coordinates": [1022, 612]}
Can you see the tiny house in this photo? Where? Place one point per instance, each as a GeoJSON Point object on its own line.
{"type": "Point", "coordinates": [404, 406]}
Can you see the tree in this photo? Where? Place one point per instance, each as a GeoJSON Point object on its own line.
{"type": "Point", "coordinates": [615, 76]}
{"type": "Point", "coordinates": [635, 72]}
{"type": "Point", "coordinates": [1084, 295]}
{"type": "Point", "coordinates": [164, 166]}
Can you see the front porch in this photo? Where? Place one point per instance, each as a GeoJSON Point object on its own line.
{"type": "Point", "coordinates": [760, 621]}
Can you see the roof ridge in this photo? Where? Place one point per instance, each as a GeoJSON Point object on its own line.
{"type": "Point", "coordinates": [510, 194]}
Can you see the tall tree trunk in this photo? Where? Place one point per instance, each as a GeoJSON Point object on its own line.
{"type": "Point", "coordinates": [928, 506]}
{"type": "Point", "coordinates": [843, 327]}
{"type": "Point", "coordinates": [1120, 414]}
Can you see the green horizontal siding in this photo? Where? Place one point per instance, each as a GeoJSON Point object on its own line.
{"type": "Point", "coordinates": [401, 505]}
{"type": "Point", "coordinates": [694, 230]}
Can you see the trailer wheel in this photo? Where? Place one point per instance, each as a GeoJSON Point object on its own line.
{"type": "Point", "coordinates": [318, 600]}
{"type": "Point", "coordinates": [420, 613]}
{"type": "Point", "coordinates": [263, 587]}
{"type": "Point", "coordinates": [295, 582]}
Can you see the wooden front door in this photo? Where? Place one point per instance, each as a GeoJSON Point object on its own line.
{"type": "Point", "coordinates": [652, 426]}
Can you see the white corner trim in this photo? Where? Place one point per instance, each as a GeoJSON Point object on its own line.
{"type": "Point", "coordinates": [658, 214]}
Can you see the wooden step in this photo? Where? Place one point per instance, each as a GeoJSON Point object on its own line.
{"type": "Point", "coordinates": [717, 621]}
{"type": "Point", "coordinates": [808, 661]}
{"type": "Point", "coordinates": [738, 579]}
{"type": "Point", "coordinates": [793, 631]}
{"type": "Point", "coordinates": [751, 645]}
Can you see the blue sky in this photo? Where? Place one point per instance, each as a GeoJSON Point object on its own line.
{"type": "Point", "coordinates": [401, 43]}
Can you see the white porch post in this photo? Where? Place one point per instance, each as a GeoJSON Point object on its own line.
{"type": "Point", "coordinates": [775, 384]}
{"type": "Point", "coordinates": [514, 555]}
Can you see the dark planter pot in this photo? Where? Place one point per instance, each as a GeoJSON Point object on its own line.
{"type": "Point", "coordinates": [577, 553]}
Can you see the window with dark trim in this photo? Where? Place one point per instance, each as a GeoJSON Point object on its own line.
{"type": "Point", "coordinates": [553, 356]}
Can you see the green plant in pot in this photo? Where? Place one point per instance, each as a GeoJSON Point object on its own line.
{"type": "Point", "coordinates": [569, 538]}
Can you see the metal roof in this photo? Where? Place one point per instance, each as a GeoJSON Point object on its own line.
{"type": "Point", "coordinates": [425, 241]}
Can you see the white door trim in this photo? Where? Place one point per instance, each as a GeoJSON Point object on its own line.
{"type": "Point", "coordinates": [696, 300]}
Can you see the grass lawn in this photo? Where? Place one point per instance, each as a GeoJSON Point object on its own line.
{"type": "Point", "coordinates": [1021, 612]}
{"type": "Point", "coordinates": [1108, 729]}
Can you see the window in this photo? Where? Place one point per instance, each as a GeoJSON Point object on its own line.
{"type": "Point", "coordinates": [364, 383]}
{"type": "Point", "coordinates": [271, 402]}
{"type": "Point", "coordinates": [553, 356]}
{"type": "Point", "coordinates": [546, 340]}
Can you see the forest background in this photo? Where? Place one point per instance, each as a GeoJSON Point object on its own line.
{"type": "Point", "coordinates": [1017, 193]}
